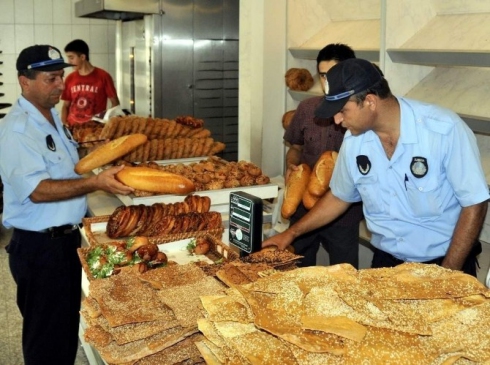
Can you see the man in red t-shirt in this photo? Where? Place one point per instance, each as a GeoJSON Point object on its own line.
{"type": "Point", "coordinates": [87, 88]}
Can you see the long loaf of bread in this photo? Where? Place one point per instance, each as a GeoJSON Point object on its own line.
{"type": "Point", "coordinates": [154, 180]}
{"type": "Point", "coordinates": [322, 173]}
{"type": "Point", "coordinates": [295, 187]}
{"type": "Point", "coordinates": [109, 152]}
{"type": "Point", "coordinates": [309, 200]}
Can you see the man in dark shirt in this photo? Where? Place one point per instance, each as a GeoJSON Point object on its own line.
{"type": "Point", "coordinates": [308, 137]}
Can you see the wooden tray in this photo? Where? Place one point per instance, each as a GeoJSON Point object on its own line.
{"type": "Point", "coordinates": [95, 230]}
{"type": "Point", "coordinates": [220, 250]}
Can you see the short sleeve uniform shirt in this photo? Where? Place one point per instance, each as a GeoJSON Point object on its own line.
{"type": "Point", "coordinates": [413, 201]}
{"type": "Point", "coordinates": [32, 150]}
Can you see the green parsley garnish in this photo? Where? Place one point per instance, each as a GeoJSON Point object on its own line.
{"type": "Point", "coordinates": [191, 246]}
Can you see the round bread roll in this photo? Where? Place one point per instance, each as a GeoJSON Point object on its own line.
{"type": "Point", "coordinates": [287, 118]}
{"type": "Point", "coordinates": [299, 79]}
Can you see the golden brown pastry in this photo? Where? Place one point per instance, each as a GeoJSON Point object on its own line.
{"type": "Point", "coordinates": [299, 79]}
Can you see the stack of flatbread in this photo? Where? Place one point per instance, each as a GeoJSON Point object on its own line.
{"type": "Point", "coordinates": [150, 318]}
{"type": "Point", "coordinates": [410, 314]}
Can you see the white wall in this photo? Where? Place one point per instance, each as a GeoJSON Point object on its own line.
{"type": "Point", "coordinates": [27, 22]}
{"type": "Point", "coordinates": [261, 85]}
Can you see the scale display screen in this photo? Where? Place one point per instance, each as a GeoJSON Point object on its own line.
{"type": "Point", "coordinates": [245, 222]}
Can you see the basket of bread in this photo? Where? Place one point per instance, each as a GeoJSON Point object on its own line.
{"type": "Point", "coordinates": [182, 137]}
{"type": "Point", "coordinates": [138, 255]}
{"type": "Point", "coordinates": [159, 222]}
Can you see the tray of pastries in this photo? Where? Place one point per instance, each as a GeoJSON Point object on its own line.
{"type": "Point", "coordinates": [159, 222]}
{"type": "Point", "coordinates": [213, 177]}
{"type": "Point", "coordinates": [138, 255]}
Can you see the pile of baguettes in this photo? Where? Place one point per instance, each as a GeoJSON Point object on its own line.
{"type": "Point", "coordinates": [182, 137]}
{"type": "Point", "coordinates": [410, 314]}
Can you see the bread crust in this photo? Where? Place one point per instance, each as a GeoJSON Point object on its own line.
{"type": "Point", "coordinates": [153, 180]}
{"type": "Point", "coordinates": [287, 118]}
{"type": "Point", "coordinates": [322, 173]}
{"type": "Point", "coordinates": [109, 152]}
{"type": "Point", "coordinates": [295, 188]}
{"type": "Point", "coordinates": [309, 200]}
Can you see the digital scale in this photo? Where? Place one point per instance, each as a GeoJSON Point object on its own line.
{"type": "Point", "coordinates": [245, 222]}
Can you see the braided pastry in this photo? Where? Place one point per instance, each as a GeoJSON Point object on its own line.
{"type": "Point", "coordinates": [159, 218]}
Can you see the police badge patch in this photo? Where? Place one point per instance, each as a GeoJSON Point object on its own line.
{"type": "Point", "coordinates": [67, 132]}
{"type": "Point", "coordinates": [50, 143]}
{"type": "Point", "coordinates": [419, 167]}
{"type": "Point", "coordinates": [363, 164]}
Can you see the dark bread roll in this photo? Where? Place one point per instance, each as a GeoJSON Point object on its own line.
{"type": "Point", "coordinates": [287, 118]}
{"type": "Point", "coordinates": [299, 79]}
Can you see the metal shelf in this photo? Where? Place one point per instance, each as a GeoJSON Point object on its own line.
{"type": "Point", "coordinates": [478, 124]}
{"type": "Point", "coordinates": [440, 57]}
{"type": "Point", "coordinates": [311, 53]}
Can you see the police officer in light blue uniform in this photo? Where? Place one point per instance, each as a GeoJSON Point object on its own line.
{"type": "Point", "coordinates": [44, 201]}
{"type": "Point", "coordinates": [415, 167]}
{"type": "Point", "coordinates": [413, 201]}
{"type": "Point", "coordinates": [49, 153]}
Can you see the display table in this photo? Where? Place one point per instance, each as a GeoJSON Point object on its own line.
{"type": "Point", "coordinates": [101, 203]}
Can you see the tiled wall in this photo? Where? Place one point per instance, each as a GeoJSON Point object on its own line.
{"type": "Point", "coordinates": [27, 22]}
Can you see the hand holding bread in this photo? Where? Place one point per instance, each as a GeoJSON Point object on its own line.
{"type": "Point", "coordinates": [154, 180]}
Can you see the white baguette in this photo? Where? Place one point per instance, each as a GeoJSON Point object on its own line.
{"type": "Point", "coordinates": [156, 181]}
{"type": "Point", "coordinates": [109, 152]}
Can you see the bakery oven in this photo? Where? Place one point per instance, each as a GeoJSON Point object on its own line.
{"type": "Point", "coordinates": [178, 57]}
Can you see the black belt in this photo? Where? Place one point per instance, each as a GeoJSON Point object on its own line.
{"type": "Point", "coordinates": [53, 232]}
{"type": "Point", "coordinates": [398, 261]}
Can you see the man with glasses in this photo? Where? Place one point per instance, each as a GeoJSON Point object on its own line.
{"type": "Point", "coordinates": [308, 137]}
{"type": "Point", "coordinates": [415, 167]}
